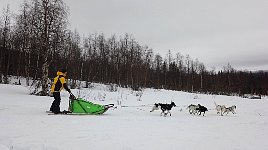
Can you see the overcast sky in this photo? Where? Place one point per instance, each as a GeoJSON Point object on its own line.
{"type": "Point", "coordinates": [214, 31]}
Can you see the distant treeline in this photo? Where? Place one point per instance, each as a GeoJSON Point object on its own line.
{"type": "Point", "coordinates": [39, 43]}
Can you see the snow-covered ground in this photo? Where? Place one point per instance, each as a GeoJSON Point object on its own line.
{"type": "Point", "coordinates": [24, 124]}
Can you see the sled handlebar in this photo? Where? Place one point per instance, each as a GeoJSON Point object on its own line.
{"type": "Point", "coordinates": [72, 97]}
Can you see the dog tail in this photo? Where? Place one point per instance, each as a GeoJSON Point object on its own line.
{"type": "Point", "coordinates": [188, 107]}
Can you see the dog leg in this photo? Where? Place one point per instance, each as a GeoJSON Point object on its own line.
{"type": "Point", "coordinates": [163, 112]}
{"type": "Point", "coordinates": [222, 111]}
{"type": "Point", "coordinates": [169, 113]}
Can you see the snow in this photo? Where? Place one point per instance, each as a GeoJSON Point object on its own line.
{"type": "Point", "coordinates": [24, 124]}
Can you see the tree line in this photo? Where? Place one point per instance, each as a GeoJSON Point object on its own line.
{"type": "Point", "coordinates": [37, 42]}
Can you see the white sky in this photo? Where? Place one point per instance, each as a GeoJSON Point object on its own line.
{"type": "Point", "coordinates": [214, 31]}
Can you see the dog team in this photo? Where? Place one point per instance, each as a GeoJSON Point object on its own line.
{"type": "Point", "coordinates": [193, 109]}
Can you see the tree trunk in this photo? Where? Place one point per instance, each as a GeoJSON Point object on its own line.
{"type": "Point", "coordinates": [201, 84]}
{"type": "Point", "coordinates": [45, 76]}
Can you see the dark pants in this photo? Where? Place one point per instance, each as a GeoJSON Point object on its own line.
{"type": "Point", "coordinates": [55, 107]}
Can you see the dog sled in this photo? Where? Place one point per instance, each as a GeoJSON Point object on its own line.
{"type": "Point", "coordinates": [79, 106]}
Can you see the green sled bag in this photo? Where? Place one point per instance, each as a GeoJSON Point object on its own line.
{"type": "Point", "coordinates": [81, 106]}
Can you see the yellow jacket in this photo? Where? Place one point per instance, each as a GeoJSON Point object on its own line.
{"type": "Point", "coordinates": [59, 83]}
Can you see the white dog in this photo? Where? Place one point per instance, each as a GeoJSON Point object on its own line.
{"type": "Point", "coordinates": [230, 109]}
{"type": "Point", "coordinates": [155, 107]}
{"type": "Point", "coordinates": [193, 109]}
{"type": "Point", "coordinates": [220, 108]}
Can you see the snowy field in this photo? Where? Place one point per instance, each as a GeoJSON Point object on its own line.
{"type": "Point", "coordinates": [24, 124]}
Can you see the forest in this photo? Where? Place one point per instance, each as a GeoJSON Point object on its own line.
{"type": "Point", "coordinates": [36, 43]}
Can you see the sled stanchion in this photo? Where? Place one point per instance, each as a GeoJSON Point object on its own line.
{"type": "Point", "coordinates": [72, 97]}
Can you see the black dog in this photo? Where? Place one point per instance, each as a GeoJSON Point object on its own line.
{"type": "Point", "coordinates": [166, 108]}
{"type": "Point", "coordinates": [201, 109]}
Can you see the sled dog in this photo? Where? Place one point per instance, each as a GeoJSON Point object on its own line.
{"type": "Point", "coordinates": [220, 108]}
{"type": "Point", "coordinates": [166, 108]}
{"type": "Point", "coordinates": [230, 109]}
{"type": "Point", "coordinates": [192, 109]}
{"type": "Point", "coordinates": [201, 109]}
{"type": "Point", "coordinates": [155, 107]}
